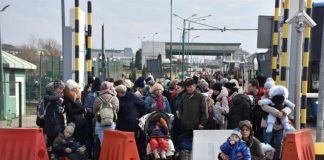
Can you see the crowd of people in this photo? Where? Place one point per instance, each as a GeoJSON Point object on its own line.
{"type": "Point", "coordinates": [258, 114]}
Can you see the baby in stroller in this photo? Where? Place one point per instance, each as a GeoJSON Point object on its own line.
{"type": "Point", "coordinates": [156, 127]}
{"type": "Point", "coordinates": [156, 133]}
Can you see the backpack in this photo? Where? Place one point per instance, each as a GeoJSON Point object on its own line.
{"type": "Point", "coordinates": [89, 99]}
{"type": "Point", "coordinates": [41, 112]}
{"type": "Point", "coordinates": [106, 112]}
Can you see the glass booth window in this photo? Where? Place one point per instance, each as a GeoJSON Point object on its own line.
{"type": "Point", "coordinates": [12, 84]}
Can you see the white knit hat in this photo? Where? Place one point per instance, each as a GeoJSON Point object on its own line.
{"type": "Point", "coordinates": [71, 84]}
{"type": "Point", "coordinates": [278, 90]}
{"type": "Point", "coordinates": [269, 83]}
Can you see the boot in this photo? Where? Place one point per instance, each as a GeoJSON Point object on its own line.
{"type": "Point", "coordinates": [156, 154]}
{"type": "Point", "coordinates": [163, 154]}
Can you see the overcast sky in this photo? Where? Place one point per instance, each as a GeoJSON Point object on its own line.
{"type": "Point", "coordinates": [125, 20]}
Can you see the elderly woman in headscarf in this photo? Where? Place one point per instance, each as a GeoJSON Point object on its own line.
{"type": "Point", "coordinates": [107, 94]}
{"type": "Point", "coordinates": [156, 101]}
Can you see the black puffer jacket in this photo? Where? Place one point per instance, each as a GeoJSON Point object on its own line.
{"type": "Point", "coordinates": [240, 110]}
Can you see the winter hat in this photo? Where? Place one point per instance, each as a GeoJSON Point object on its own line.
{"type": "Point", "coordinates": [247, 124]}
{"type": "Point", "coordinates": [237, 132]}
{"type": "Point", "coordinates": [128, 83]}
{"type": "Point", "coordinates": [217, 87]}
{"type": "Point", "coordinates": [121, 88]}
{"type": "Point", "coordinates": [224, 80]}
{"type": "Point", "coordinates": [58, 84]}
{"type": "Point", "coordinates": [166, 83]}
{"type": "Point", "coordinates": [203, 84]}
{"type": "Point", "coordinates": [107, 87]}
{"type": "Point", "coordinates": [139, 82]}
{"type": "Point", "coordinates": [278, 91]}
{"type": "Point", "coordinates": [269, 83]}
{"type": "Point", "coordinates": [229, 85]}
{"type": "Point", "coordinates": [189, 82]}
{"type": "Point", "coordinates": [155, 87]}
{"type": "Point", "coordinates": [71, 84]}
{"type": "Point", "coordinates": [195, 78]}
{"type": "Point", "coordinates": [212, 82]}
{"type": "Point", "coordinates": [70, 128]}
{"type": "Point", "coordinates": [235, 82]}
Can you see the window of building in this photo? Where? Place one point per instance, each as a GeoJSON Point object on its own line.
{"type": "Point", "coordinates": [12, 84]}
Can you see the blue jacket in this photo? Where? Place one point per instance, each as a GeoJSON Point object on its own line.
{"type": "Point", "coordinates": [232, 150]}
{"type": "Point", "coordinates": [161, 131]}
{"type": "Point", "coordinates": [152, 104]}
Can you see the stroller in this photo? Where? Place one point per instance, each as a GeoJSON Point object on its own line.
{"type": "Point", "coordinates": [146, 121]}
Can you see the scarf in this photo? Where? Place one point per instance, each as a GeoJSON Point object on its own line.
{"type": "Point", "coordinates": [159, 102]}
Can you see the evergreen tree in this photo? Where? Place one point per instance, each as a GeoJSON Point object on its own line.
{"type": "Point", "coordinates": [138, 59]}
{"type": "Point", "coordinates": [144, 71]}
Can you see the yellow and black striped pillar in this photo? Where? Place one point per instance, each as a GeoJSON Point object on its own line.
{"type": "Point", "coordinates": [89, 41]}
{"type": "Point", "coordinates": [284, 54]}
{"type": "Point", "coordinates": [77, 40]}
{"type": "Point", "coordinates": [304, 85]}
{"type": "Point", "coordinates": [275, 42]}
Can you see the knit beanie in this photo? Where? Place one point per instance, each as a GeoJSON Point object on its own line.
{"type": "Point", "coordinates": [139, 82]}
{"type": "Point", "coordinates": [237, 132]}
{"type": "Point", "coordinates": [71, 84]}
{"type": "Point", "coordinates": [269, 83]}
{"type": "Point", "coordinates": [278, 90]}
{"type": "Point", "coordinates": [217, 87]}
{"type": "Point", "coordinates": [58, 84]}
{"type": "Point", "coordinates": [70, 128]}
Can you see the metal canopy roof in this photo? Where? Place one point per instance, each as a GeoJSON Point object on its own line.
{"type": "Point", "coordinates": [203, 49]}
{"type": "Point", "coordinates": [11, 61]}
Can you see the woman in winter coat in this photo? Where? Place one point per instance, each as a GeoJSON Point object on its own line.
{"type": "Point", "coordinates": [221, 107]}
{"type": "Point", "coordinates": [75, 112]}
{"type": "Point", "coordinates": [253, 143]}
{"type": "Point", "coordinates": [239, 111]}
{"type": "Point", "coordinates": [156, 101]}
{"type": "Point", "coordinates": [107, 93]}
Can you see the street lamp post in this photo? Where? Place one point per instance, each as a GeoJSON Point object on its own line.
{"type": "Point", "coordinates": [153, 44]}
{"type": "Point", "coordinates": [183, 40]}
{"type": "Point", "coordinates": [2, 99]}
{"type": "Point", "coordinates": [171, 41]}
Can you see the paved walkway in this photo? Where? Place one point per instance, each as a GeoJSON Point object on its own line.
{"type": "Point", "coordinates": [28, 121]}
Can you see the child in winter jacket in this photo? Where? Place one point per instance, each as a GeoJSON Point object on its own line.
{"type": "Point", "coordinates": [157, 143]}
{"type": "Point", "coordinates": [278, 99]}
{"type": "Point", "coordinates": [235, 148]}
{"type": "Point", "coordinates": [64, 145]}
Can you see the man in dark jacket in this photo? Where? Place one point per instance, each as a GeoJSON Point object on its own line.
{"type": "Point", "coordinates": [54, 120]}
{"type": "Point", "coordinates": [239, 111]}
{"type": "Point", "coordinates": [193, 112]}
{"type": "Point", "coordinates": [131, 108]}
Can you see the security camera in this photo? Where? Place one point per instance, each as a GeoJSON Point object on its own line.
{"type": "Point", "coordinates": [308, 20]}
{"type": "Point", "coordinates": [300, 19]}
